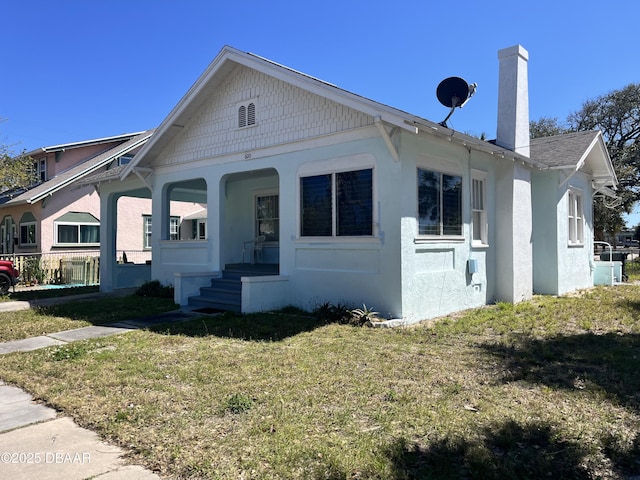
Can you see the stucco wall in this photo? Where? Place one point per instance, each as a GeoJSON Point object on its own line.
{"type": "Point", "coordinates": [559, 267]}
{"type": "Point", "coordinates": [435, 275]}
{"type": "Point", "coordinates": [545, 232]}
{"type": "Point", "coordinates": [575, 262]}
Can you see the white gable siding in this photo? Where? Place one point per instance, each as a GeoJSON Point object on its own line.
{"type": "Point", "coordinates": [284, 114]}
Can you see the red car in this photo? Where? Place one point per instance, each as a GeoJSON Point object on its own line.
{"type": "Point", "coordinates": [9, 276]}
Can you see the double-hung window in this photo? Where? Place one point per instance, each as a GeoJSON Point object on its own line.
{"type": "Point", "coordinates": [479, 208]}
{"type": "Point", "coordinates": [174, 229]}
{"type": "Point", "coordinates": [146, 231]}
{"type": "Point", "coordinates": [40, 170]}
{"type": "Point", "coordinates": [338, 204]}
{"type": "Point", "coordinates": [576, 218]}
{"type": "Point", "coordinates": [439, 204]}
{"type": "Point", "coordinates": [267, 217]}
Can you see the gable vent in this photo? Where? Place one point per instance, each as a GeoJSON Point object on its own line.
{"type": "Point", "coordinates": [247, 114]}
{"type": "Point", "coordinates": [251, 114]}
{"type": "Point", "coordinates": [242, 116]}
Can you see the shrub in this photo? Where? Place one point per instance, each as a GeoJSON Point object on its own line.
{"type": "Point", "coordinates": [329, 313]}
{"type": "Point", "coordinates": [155, 289]}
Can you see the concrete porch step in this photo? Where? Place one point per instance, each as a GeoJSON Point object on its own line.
{"type": "Point", "coordinates": [225, 293]}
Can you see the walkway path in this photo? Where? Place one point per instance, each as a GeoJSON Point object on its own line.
{"type": "Point", "coordinates": [36, 442]}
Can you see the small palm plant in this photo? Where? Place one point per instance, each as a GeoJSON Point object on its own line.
{"type": "Point", "coordinates": [364, 316]}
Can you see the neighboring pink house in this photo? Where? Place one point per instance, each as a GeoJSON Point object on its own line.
{"type": "Point", "coordinates": [61, 213]}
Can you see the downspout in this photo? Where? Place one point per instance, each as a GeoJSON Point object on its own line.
{"type": "Point", "coordinates": [387, 139]}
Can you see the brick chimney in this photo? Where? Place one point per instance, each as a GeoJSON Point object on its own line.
{"type": "Point", "coordinates": [513, 100]}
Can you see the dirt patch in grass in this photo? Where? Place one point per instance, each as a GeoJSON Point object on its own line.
{"type": "Point", "coordinates": [544, 389]}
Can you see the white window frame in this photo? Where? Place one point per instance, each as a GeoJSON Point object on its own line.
{"type": "Point", "coordinates": [334, 204]}
{"type": "Point", "coordinates": [40, 169]}
{"type": "Point", "coordinates": [147, 229]}
{"type": "Point", "coordinates": [174, 228]}
{"type": "Point", "coordinates": [78, 226]}
{"type": "Point", "coordinates": [147, 226]}
{"type": "Point", "coordinates": [441, 235]}
{"type": "Point", "coordinates": [269, 193]}
{"type": "Point", "coordinates": [479, 220]}
{"type": "Point", "coordinates": [575, 217]}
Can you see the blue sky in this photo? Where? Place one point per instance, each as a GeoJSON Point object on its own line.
{"type": "Point", "coordinates": [79, 69]}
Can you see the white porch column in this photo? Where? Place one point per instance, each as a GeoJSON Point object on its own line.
{"type": "Point", "coordinates": [108, 229]}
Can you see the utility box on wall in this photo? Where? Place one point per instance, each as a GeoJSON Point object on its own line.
{"type": "Point", "coordinates": [472, 265]}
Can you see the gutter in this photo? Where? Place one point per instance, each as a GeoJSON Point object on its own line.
{"type": "Point", "coordinates": [476, 144]}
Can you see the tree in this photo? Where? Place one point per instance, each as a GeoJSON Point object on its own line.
{"type": "Point", "coordinates": [617, 115]}
{"type": "Point", "coordinates": [546, 127]}
{"type": "Point", "coordinates": [16, 170]}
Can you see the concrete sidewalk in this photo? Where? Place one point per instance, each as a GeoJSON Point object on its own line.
{"type": "Point", "coordinates": [35, 442]}
{"type": "Point", "coordinates": [38, 443]}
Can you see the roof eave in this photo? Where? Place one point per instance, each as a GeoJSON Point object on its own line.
{"type": "Point", "coordinates": [119, 152]}
{"type": "Point", "coordinates": [84, 143]}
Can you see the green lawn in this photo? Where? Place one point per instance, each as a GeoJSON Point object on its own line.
{"type": "Point", "coordinates": [544, 389]}
{"type": "Point", "coordinates": [77, 314]}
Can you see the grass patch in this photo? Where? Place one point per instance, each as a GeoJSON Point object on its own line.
{"type": "Point", "coordinates": [37, 294]}
{"type": "Point", "coordinates": [528, 391]}
{"type": "Point", "coordinates": [44, 320]}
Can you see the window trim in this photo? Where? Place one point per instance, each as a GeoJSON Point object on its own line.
{"type": "Point", "coordinates": [575, 217]}
{"type": "Point", "coordinates": [266, 193]}
{"type": "Point", "coordinates": [479, 176]}
{"type": "Point", "coordinates": [147, 220]}
{"type": "Point", "coordinates": [355, 167]}
{"type": "Point", "coordinates": [146, 235]}
{"type": "Point", "coordinates": [442, 235]}
{"type": "Point", "coordinates": [78, 243]}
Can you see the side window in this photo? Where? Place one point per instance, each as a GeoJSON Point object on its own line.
{"type": "Point", "coordinates": [479, 208]}
{"type": "Point", "coordinates": [439, 204]}
{"type": "Point", "coordinates": [146, 231]}
{"type": "Point", "coordinates": [576, 218]}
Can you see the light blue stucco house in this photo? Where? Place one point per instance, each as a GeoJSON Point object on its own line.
{"type": "Point", "coordinates": [354, 202]}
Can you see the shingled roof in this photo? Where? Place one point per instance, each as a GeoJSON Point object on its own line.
{"type": "Point", "coordinates": [76, 172]}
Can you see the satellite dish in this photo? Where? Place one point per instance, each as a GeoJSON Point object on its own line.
{"type": "Point", "coordinates": [454, 92]}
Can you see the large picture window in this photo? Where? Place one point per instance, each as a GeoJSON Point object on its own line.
{"type": "Point", "coordinates": [439, 204]}
{"type": "Point", "coordinates": [77, 228]}
{"type": "Point", "coordinates": [337, 204]}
